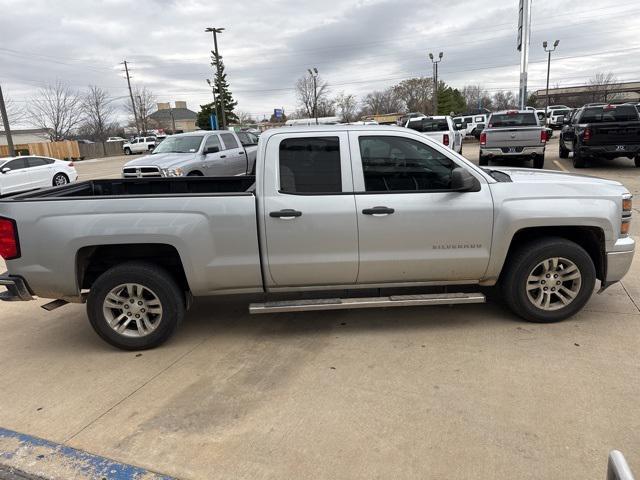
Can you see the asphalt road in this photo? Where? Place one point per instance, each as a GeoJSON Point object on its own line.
{"type": "Point", "coordinates": [461, 392]}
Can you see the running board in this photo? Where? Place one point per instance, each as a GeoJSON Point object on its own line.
{"type": "Point", "coordinates": [369, 302]}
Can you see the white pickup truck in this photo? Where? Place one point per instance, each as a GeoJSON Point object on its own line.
{"type": "Point", "coordinates": [330, 209]}
{"type": "Point", "coordinates": [439, 128]}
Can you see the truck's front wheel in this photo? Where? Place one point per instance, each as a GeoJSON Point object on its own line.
{"type": "Point", "coordinates": [548, 280]}
{"type": "Point", "coordinates": [135, 306]}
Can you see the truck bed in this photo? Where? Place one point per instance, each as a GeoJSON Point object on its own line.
{"type": "Point", "coordinates": [132, 187]}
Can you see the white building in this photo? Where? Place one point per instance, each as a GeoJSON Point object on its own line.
{"type": "Point", "coordinates": [23, 137]}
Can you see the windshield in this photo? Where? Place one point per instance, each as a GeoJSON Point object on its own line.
{"type": "Point", "coordinates": [429, 125]}
{"type": "Point", "coordinates": [513, 120]}
{"type": "Point", "coordinates": [625, 113]}
{"type": "Point", "coordinates": [187, 144]}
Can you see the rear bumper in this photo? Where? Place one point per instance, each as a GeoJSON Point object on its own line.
{"type": "Point", "coordinates": [527, 152]}
{"type": "Point", "coordinates": [17, 289]}
{"type": "Point", "coordinates": [619, 260]}
{"type": "Point", "coordinates": [610, 150]}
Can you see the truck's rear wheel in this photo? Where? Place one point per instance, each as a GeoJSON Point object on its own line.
{"type": "Point", "coordinates": [637, 160]}
{"type": "Point", "coordinates": [135, 306]}
{"type": "Point", "coordinates": [563, 152]}
{"type": "Point", "coordinates": [548, 280]}
{"type": "Point", "coordinates": [538, 161]}
{"type": "Point", "coordinates": [578, 158]}
{"type": "Point", "coordinates": [484, 161]}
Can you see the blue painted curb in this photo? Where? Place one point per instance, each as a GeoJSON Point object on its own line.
{"type": "Point", "coordinates": [33, 451]}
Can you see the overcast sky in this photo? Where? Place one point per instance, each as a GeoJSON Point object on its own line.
{"type": "Point", "coordinates": [357, 45]}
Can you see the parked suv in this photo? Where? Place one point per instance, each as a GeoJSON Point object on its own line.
{"type": "Point", "coordinates": [140, 145]}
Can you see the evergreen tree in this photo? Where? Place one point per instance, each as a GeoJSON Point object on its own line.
{"type": "Point", "coordinates": [204, 114]}
{"type": "Point", "coordinates": [221, 88]}
{"type": "Point", "coordinates": [450, 100]}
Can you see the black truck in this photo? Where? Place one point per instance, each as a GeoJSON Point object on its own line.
{"type": "Point", "coordinates": [601, 131]}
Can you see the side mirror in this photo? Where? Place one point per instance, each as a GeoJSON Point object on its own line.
{"type": "Point", "coordinates": [566, 120]}
{"type": "Point", "coordinates": [6, 169]}
{"type": "Point", "coordinates": [463, 181]}
{"type": "Point", "coordinates": [209, 150]}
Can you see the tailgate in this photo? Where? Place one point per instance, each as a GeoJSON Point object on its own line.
{"type": "Point", "coordinates": [619, 133]}
{"type": "Point", "coordinates": [513, 137]}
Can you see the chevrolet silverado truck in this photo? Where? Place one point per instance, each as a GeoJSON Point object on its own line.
{"type": "Point", "coordinates": [601, 131]}
{"type": "Point", "coordinates": [332, 214]}
{"type": "Point", "coordinates": [513, 135]}
{"type": "Point", "coordinates": [196, 154]}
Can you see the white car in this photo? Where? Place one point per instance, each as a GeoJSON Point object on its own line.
{"type": "Point", "coordinates": [440, 128]}
{"type": "Point", "coordinates": [18, 174]}
{"type": "Point", "coordinates": [140, 145]}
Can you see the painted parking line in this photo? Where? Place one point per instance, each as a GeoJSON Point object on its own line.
{"type": "Point", "coordinates": [39, 457]}
{"type": "Point", "coordinates": [560, 166]}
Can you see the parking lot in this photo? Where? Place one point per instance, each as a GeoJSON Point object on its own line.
{"type": "Point", "coordinates": [444, 392]}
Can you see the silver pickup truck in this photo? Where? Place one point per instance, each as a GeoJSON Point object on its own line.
{"type": "Point", "coordinates": [197, 154]}
{"type": "Point", "coordinates": [331, 209]}
{"type": "Point", "coordinates": [513, 135]}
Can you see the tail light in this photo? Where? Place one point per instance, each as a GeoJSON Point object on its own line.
{"type": "Point", "coordinates": [586, 135]}
{"type": "Point", "coordinates": [9, 246]}
{"type": "Point", "coordinates": [483, 138]}
{"type": "Point", "coordinates": [445, 139]}
{"type": "Point", "coordinates": [543, 136]}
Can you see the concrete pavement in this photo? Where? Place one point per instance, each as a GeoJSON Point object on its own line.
{"type": "Point", "coordinates": [462, 392]}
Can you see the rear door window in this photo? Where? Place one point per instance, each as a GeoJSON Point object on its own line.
{"type": "Point", "coordinates": [37, 162]}
{"type": "Point", "coordinates": [229, 141]}
{"type": "Point", "coordinates": [310, 165]}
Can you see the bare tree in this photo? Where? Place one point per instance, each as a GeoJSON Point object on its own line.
{"type": "Point", "coordinates": [381, 102]}
{"type": "Point", "coordinates": [244, 117]}
{"type": "Point", "coordinates": [307, 97]}
{"type": "Point", "coordinates": [346, 104]}
{"type": "Point", "coordinates": [603, 86]}
{"type": "Point", "coordinates": [15, 114]}
{"type": "Point", "coordinates": [145, 102]}
{"type": "Point", "coordinates": [99, 113]}
{"type": "Point", "coordinates": [476, 97]}
{"type": "Point", "coordinates": [416, 94]}
{"type": "Point", "coordinates": [504, 100]}
{"type": "Point", "coordinates": [58, 109]}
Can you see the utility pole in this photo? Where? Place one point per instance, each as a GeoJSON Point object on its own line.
{"type": "Point", "coordinates": [173, 120]}
{"type": "Point", "coordinates": [548, 50]}
{"type": "Point", "coordinates": [143, 122]}
{"type": "Point", "coordinates": [314, 77]}
{"type": "Point", "coordinates": [435, 80]}
{"type": "Point", "coordinates": [524, 38]}
{"type": "Point", "coordinates": [215, 31]}
{"type": "Point", "coordinates": [133, 104]}
{"type": "Point", "coordinates": [7, 128]}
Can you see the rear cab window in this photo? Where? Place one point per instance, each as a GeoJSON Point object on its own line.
{"type": "Point", "coordinates": [429, 125]}
{"type": "Point", "coordinates": [610, 113]}
{"type": "Point", "coordinates": [513, 119]}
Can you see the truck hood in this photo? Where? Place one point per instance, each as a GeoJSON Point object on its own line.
{"type": "Point", "coordinates": [162, 160]}
{"type": "Point", "coordinates": [529, 175]}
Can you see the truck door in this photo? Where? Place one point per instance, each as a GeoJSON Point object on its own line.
{"type": "Point", "coordinates": [309, 215]}
{"type": "Point", "coordinates": [214, 159]}
{"type": "Point", "coordinates": [236, 161]}
{"type": "Point", "coordinates": [412, 226]}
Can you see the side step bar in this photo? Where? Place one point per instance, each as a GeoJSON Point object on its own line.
{"type": "Point", "coordinates": [369, 302]}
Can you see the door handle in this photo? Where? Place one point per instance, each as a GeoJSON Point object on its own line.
{"type": "Point", "coordinates": [223, 156]}
{"type": "Point", "coordinates": [286, 214]}
{"type": "Point", "coordinates": [241, 153]}
{"type": "Point", "coordinates": [378, 211]}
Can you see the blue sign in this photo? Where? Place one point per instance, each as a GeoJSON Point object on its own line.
{"type": "Point", "coordinates": [213, 120]}
{"type": "Point", "coordinates": [278, 112]}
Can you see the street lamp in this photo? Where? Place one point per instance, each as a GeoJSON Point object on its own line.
{"type": "Point", "coordinates": [545, 45]}
{"type": "Point", "coordinates": [435, 80]}
{"type": "Point", "coordinates": [314, 76]}
{"type": "Point", "coordinates": [215, 31]}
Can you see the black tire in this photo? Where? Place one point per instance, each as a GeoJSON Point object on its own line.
{"type": "Point", "coordinates": [59, 179]}
{"type": "Point", "coordinates": [538, 162]}
{"type": "Point", "coordinates": [522, 262]}
{"type": "Point", "coordinates": [159, 282]}
{"type": "Point", "coordinates": [195, 174]}
{"type": "Point", "coordinates": [460, 151]}
{"type": "Point", "coordinates": [637, 161]}
{"type": "Point", "coordinates": [127, 151]}
{"type": "Point", "coordinates": [562, 151]}
{"type": "Point", "coordinates": [578, 159]}
{"type": "Point", "coordinates": [483, 161]}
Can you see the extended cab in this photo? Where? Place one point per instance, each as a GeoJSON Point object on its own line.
{"type": "Point", "coordinates": [331, 209]}
{"type": "Point", "coordinates": [602, 131]}
{"type": "Point", "coordinates": [513, 134]}
{"type": "Point", "coordinates": [199, 154]}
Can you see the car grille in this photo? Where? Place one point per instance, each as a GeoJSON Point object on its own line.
{"type": "Point", "coordinates": [141, 172]}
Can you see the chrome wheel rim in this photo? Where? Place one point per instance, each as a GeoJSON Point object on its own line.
{"type": "Point", "coordinates": [132, 310]}
{"type": "Point", "coordinates": [60, 180]}
{"type": "Point", "coordinates": [554, 283]}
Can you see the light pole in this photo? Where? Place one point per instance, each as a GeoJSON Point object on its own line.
{"type": "Point", "coordinates": [435, 80]}
{"type": "Point", "coordinates": [314, 76]}
{"type": "Point", "coordinates": [215, 31]}
{"type": "Point", "coordinates": [548, 50]}
{"type": "Point", "coordinates": [213, 91]}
